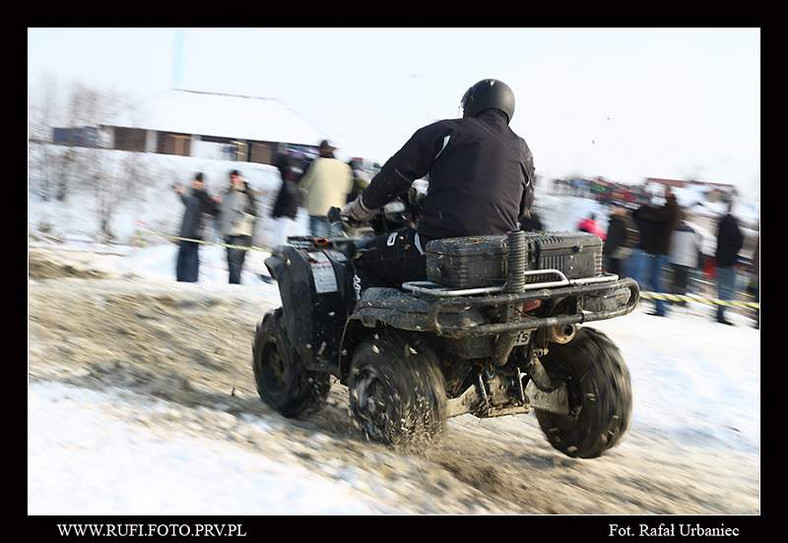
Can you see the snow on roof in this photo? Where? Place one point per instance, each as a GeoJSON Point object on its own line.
{"type": "Point", "coordinates": [222, 115]}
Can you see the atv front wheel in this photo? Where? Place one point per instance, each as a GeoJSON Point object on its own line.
{"type": "Point", "coordinates": [600, 395]}
{"type": "Point", "coordinates": [282, 380]}
{"type": "Point", "coordinates": [397, 391]}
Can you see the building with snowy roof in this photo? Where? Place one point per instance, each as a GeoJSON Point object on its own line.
{"type": "Point", "coordinates": [712, 192]}
{"type": "Point", "coordinates": [208, 125]}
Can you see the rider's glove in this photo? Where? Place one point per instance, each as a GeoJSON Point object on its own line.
{"type": "Point", "coordinates": [356, 210]}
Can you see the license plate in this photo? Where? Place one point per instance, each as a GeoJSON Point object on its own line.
{"type": "Point", "coordinates": [522, 337]}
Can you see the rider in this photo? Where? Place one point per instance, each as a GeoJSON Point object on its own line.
{"type": "Point", "coordinates": [481, 182]}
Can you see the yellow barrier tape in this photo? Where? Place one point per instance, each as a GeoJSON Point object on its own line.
{"type": "Point", "coordinates": [645, 295]}
{"type": "Point", "coordinates": [691, 298]}
{"type": "Point", "coordinates": [204, 242]}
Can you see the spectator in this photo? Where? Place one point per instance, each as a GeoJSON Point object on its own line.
{"type": "Point", "coordinates": [287, 201]}
{"type": "Point", "coordinates": [621, 238]}
{"type": "Point", "coordinates": [590, 225]}
{"type": "Point", "coordinates": [326, 183]}
{"type": "Point", "coordinates": [729, 242]}
{"type": "Point", "coordinates": [360, 182]}
{"type": "Point", "coordinates": [237, 221]}
{"type": "Point", "coordinates": [656, 224]}
{"type": "Point", "coordinates": [685, 248]}
{"type": "Point", "coordinates": [198, 203]}
{"type": "Point", "coordinates": [752, 288]}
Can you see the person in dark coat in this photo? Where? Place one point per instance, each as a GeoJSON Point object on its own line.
{"type": "Point", "coordinates": [288, 199]}
{"type": "Point", "coordinates": [481, 178]}
{"type": "Point", "coordinates": [198, 205]}
{"type": "Point", "coordinates": [729, 242]}
{"type": "Point", "coordinates": [621, 238]}
{"type": "Point", "coordinates": [656, 225]}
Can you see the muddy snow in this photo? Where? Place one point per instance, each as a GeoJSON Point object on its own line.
{"type": "Point", "coordinates": [142, 401]}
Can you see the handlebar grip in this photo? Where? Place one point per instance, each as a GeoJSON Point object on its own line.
{"type": "Point", "coordinates": [333, 215]}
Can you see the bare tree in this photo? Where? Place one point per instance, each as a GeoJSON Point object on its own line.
{"type": "Point", "coordinates": [88, 107]}
{"type": "Point", "coordinates": [43, 114]}
{"type": "Point", "coordinates": [114, 184]}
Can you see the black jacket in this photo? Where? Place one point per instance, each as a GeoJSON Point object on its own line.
{"type": "Point", "coordinates": [198, 204]}
{"type": "Point", "coordinates": [656, 225]}
{"type": "Point", "coordinates": [729, 241]}
{"type": "Point", "coordinates": [289, 197]}
{"type": "Point", "coordinates": [481, 176]}
{"type": "Point", "coordinates": [616, 235]}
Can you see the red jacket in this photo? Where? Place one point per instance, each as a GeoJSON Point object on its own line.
{"type": "Point", "coordinates": [590, 226]}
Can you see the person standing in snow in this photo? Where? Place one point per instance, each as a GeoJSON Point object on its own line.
{"type": "Point", "coordinates": [480, 183]}
{"type": "Point", "coordinates": [360, 182]}
{"type": "Point", "coordinates": [656, 224]}
{"type": "Point", "coordinates": [685, 248]}
{"type": "Point", "coordinates": [327, 183]}
{"type": "Point", "coordinates": [287, 201]}
{"type": "Point", "coordinates": [198, 205]}
{"type": "Point", "coordinates": [729, 242]}
{"type": "Point", "coordinates": [621, 237]}
{"type": "Point", "coordinates": [237, 219]}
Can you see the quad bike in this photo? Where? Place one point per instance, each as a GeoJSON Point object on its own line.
{"type": "Point", "coordinates": [494, 331]}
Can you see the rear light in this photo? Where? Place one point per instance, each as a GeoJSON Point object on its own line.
{"type": "Point", "coordinates": [530, 305]}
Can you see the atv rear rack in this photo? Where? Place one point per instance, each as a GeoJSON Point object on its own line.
{"type": "Point", "coordinates": [604, 297]}
{"type": "Point", "coordinates": [435, 289]}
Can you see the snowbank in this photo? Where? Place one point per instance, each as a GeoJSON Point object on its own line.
{"type": "Point", "coordinates": [98, 462]}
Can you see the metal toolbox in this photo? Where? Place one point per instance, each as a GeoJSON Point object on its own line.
{"type": "Point", "coordinates": [479, 261]}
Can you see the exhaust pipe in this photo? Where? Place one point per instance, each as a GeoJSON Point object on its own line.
{"type": "Point", "coordinates": [561, 333]}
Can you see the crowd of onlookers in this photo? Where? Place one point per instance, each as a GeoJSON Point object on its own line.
{"type": "Point", "coordinates": [663, 251]}
{"type": "Point", "coordinates": [314, 184]}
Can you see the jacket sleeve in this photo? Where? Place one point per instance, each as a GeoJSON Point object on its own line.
{"type": "Point", "coordinates": [208, 205]}
{"type": "Point", "coordinates": [411, 162]}
{"type": "Point", "coordinates": [530, 179]}
{"type": "Point", "coordinates": [251, 203]}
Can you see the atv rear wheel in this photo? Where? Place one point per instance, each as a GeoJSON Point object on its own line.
{"type": "Point", "coordinates": [282, 380]}
{"type": "Point", "coordinates": [600, 395]}
{"type": "Point", "coordinates": [397, 391]}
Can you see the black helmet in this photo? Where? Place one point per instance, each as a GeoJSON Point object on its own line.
{"type": "Point", "coordinates": [487, 94]}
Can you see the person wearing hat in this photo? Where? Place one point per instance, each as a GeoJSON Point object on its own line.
{"type": "Point", "coordinates": [198, 204]}
{"type": "Point", "coordinates": [237, 221]}
{"type": "Point", "coordinates": [481, 182]}
{"type": "Point", "coordinates": [326, 184]}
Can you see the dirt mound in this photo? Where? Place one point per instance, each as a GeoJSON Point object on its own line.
{"type": "Point", "coordinates": [41, 268]}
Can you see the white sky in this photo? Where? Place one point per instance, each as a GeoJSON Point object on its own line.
{"type": "Point", "coordinates": [621, 103]}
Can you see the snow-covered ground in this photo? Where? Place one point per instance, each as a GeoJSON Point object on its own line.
{"type": "Point", "coordinates": [91, 453]}
{"type": "Point", "coordinates": [696, 391]}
